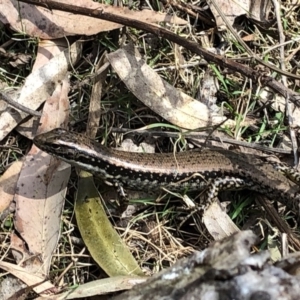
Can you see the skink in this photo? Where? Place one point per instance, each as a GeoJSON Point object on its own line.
{"type": "Point", "coordinates": [213, 170]}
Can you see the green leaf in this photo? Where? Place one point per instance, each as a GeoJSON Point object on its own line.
{"type": "Point", "coordinates": [104, 243]}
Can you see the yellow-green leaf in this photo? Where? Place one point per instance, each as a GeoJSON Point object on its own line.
{"type": "Point", "coordinates": [104, 243]}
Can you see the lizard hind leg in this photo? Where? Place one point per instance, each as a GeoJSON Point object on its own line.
{"type": "Point", "coordinates": [213, 188]}
{"type": "Point", "coordinates": [223, 184]}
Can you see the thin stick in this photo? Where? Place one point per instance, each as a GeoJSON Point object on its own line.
{"type": "Point", "coordinates": [101, 13]}
{"type": "Point", "coordinates": [19, 106]}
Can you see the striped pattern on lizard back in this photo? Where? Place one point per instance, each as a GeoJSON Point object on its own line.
{"type": "Point", "coordinates": [184, 171]}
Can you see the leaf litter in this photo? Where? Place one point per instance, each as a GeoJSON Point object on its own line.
{"type": "Point", "coordinates": [39, 227]}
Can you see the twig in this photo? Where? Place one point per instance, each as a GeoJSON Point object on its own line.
{"type": "Point", "coordinates": [261, 61]}
{"type": "Point", "coordinates": [278, 221]}
{"type": "Point", "coordinates": [19, 106]}
{"type": "Point", "coordinates": [284, 81]}
{"type": "Point", "coordinates": [188, 9]}
{"type": "Point", "coordinates": [245, 46]}
{"type": "Point", "coordinates": [192, 135]}
{"type": "Point", "coordinates": [162, 32]}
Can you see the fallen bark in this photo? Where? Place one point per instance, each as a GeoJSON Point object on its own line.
{"type": "Point", "coordinates": [225, 270]}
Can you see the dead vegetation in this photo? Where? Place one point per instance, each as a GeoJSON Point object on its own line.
{"type": "Point", "coordinates": [198, 78]}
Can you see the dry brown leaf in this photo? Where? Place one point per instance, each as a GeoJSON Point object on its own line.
{"type": "Point", "coordinates": [41, 190]}
{"type": "Point", "coordinates": [180, 61]}
{"type": "Point", "coordinates": [231, 10]}
{"type": "Point", "coordinates": [170, 103]}
{"type": "Point", "coordinates": [47, 50]}
{"type": "Point", "coordinates": [22, 294]}
{"type": "Point", "coordinates": [256, 9]}
{"type": "Point", "coordinates": [48, 24]}
{"type": "Point", "coordinates": [99, 287]}
{"type": "Point", "coordinates": [218, 222]}
{"type": "Point", "coordinates": [27, 277]}
{"type": "Point", "coordinates": [95, 99]}
{"type": "Point", "coordinates": [208, 91]}
{"type": "Point", "coordinates": [8, 182]}
{"type": "Point", "coordinates": [19, 249]}
{"type": "Point", "coordinates": [38, 87]}
{"type": "Point", "coordinates": [19, 59]}
{"type": "Point", "coordinates": [260, 10]}
{"type": "Point", "coordinates": [129, 146]}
